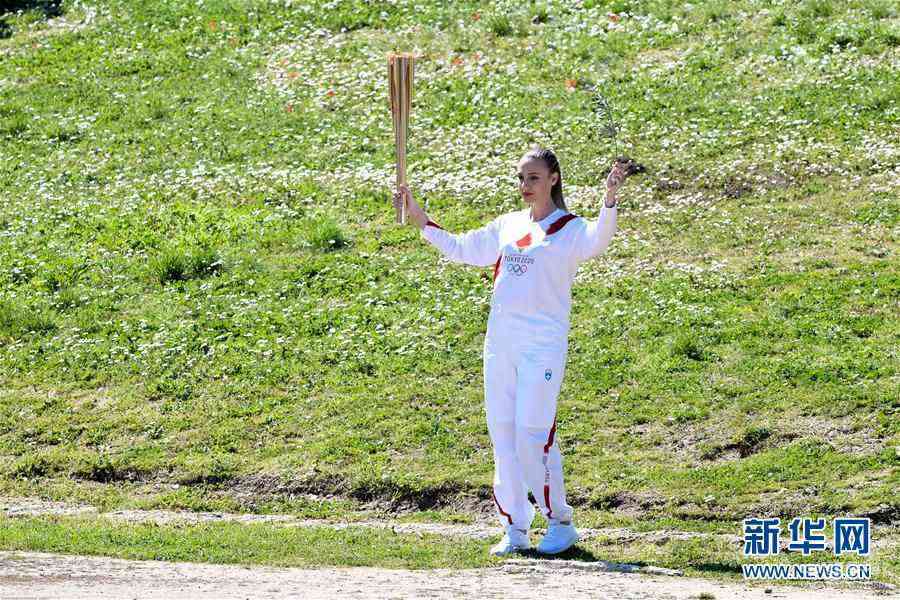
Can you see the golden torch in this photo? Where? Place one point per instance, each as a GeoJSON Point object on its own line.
{"type": "Point", "coordinates": [400, 78]}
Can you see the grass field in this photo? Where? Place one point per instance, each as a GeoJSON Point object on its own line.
{"type": "Point", "coordinates": [205, 303]}
{"type": "Point", "coordinates": [267, 544]}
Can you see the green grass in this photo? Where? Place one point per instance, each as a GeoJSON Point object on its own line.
{"type": "Point", "coordinates": [201, 282]}
{"type": "Point", "coordinates": [274, 545]}
{"type": "Point", "coordinates": [243, 544]}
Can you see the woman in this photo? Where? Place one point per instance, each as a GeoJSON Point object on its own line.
{"type": "Point", "coordinates": [535, 253]}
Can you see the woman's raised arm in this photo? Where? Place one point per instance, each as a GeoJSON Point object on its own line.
{"type": "Point", "coordinates": [478, 247]}
{"type": "Point", "coordinates": [597, 234]}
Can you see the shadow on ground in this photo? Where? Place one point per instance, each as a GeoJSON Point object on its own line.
{"type": "Point", "coordinates": [718, 567]}
{"type": "Point", "coordinates": [573, 553]}
{"type": "Point", "coordinates": [50, 8]}
{"type": "Point", "coordinates": [582, 555]}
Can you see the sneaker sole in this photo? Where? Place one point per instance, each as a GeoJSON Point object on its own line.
{"type": "Point", "coordinates": [514, 551]}
{"type": "Point", "coordinates": [575, 541]}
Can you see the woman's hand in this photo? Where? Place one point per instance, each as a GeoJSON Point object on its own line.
{"type": "Point", "coordinates": [613, 182]}
{"type": "Point", "coordinates": [413, 210]}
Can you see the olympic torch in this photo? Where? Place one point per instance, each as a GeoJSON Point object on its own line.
{"type": "Point", "coordinates": [400, 78]}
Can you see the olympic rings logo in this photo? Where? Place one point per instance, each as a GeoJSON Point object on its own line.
{"type": "Point", "coordinates": [516, 269]}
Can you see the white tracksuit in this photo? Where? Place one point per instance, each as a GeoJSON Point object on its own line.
{"type": "Point", "coordinates": [526, 344]}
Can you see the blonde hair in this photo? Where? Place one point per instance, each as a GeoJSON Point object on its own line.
{"type": "Point", "coordinates": [549, 158]}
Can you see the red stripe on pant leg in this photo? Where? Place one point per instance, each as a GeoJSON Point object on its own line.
{"type": "Point", "coordinates": [547, 467]}
{"type": "Point", "coordinates": [500, 508]}
{"type": "Point", "coordinates": [550, 438]}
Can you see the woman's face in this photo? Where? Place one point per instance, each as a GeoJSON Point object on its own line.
{"type": "Point", "coordinates": [535, 180]}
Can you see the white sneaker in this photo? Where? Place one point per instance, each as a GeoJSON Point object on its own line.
{"type": "Point", "coordinates": [560, 536]}
{"type": "Point", "coordinates": [514, 540]}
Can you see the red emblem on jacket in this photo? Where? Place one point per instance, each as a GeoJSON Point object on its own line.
{"type": "Point", "coordinates": [525, 241]}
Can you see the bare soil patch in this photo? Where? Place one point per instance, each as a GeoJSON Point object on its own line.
{"type": "Point", "coordinates": [35, 575]}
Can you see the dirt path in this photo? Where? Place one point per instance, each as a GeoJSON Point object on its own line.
{"type": "Point", "coordinates": [36, 575]}
{"type": "Point", "coordinates": [24, 507]}
{"type": "Point", "coordinates": [39, 576]}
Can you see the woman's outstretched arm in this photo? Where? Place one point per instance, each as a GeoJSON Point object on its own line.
{"type": "Point", "coordinates": [478, 247]}
{"type": "Point", "coordinates": [597, 234]}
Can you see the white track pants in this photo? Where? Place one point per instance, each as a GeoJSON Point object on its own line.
{"type": "Point", "coordinates": [521, 387]}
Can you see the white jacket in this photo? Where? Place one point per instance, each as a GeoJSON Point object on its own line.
{"type": "Point", "coordinates": [534, 267]}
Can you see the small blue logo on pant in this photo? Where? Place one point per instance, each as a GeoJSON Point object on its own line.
{"type": "Point", "coordinates": [548, 374]}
